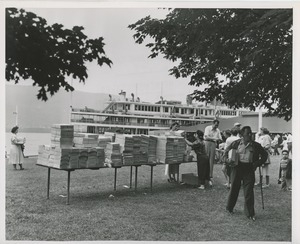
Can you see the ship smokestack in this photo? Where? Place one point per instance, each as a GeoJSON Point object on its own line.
{"type": "Point", "coordinates": [189, 99]}
{"type": "Point", "coordinates": [132, 95]}
{"type": "Point", "coordinates": [123, 94]}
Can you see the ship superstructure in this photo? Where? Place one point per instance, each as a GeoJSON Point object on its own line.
{"type": "Point", "coordinates": [133, 116]}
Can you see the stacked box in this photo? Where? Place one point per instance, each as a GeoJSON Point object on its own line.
{"type": "Point", "coordinates": [168, 151]}
{"type": "Point", "coordinates": [44, 153]}
{"type": "Point", "coordinates": [181, 149]}
{"type": "Point", "coordinates": [127, 158]}
{"type": "Point", "coordinates": [113, 154]}
{"type": "Point", "coordinates": [111, 135]}
{"type": "Point", "coordinates": [159, 132]}
{"type": "Point", "coordinates": [101, 156]}
{"type": "Point", "coordinates": [74, 158]}
{"type": "Point", "coordinates": [136, 149]}
{"type": "Point", "coordinates": [82, 158]}
{"type": "Point", "coordinates": [125, 141]}
{"type": "Point", "coordinates": [103, 140]}
{"type": "Point", "coordinates": [144, 145]}
{"type": "Point", "coordinates": [59, 158]}
{"type": "Point", "coordinates": [152, 149]}
{"type": "Point", "coordinates": [126, 148]}
{"type": "Point", "coordinates": [95, 157]}
{"type": "Point", "coordinates": [62, 135]}
{"type": "Point", "coordinates": [83, 140]}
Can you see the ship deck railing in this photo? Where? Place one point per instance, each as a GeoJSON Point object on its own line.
{"type": "Point", "coordinates": [121, 123]}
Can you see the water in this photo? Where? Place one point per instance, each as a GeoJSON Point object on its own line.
{"type": "Point", "coordinates": [33, 140]}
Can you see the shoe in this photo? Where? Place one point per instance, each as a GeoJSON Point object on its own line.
{"type": "Point", "coordinates": [229, 211]}
{"type": "Point", "coordinates": [21, 168]}
{"type": "Point", "coordinates": [210, 183]}
{"type": "Point", "coordinates": [227, 185]}
{"type": "Point", "coordinates": [265, 186]}
{"type": "Point", "coordinates": [201, 187]}
{"type": "Point", "coordinates": [256, 183]}
{"type": "Point", "coordinates": [252, 218]}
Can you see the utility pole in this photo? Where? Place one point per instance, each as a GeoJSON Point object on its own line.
{"type": "Point", "coordinates": [259, 117]}
{"type": "Point", "coordinates": [16, 113]}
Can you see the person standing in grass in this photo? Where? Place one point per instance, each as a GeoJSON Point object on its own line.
{"type": "Point", "coordinates": [289, 141]}
{"type": "Point", "coordinates": [16, 156]}
{"type": "Point", "coordinates": [265, 141]}
{"type": "Point", "coordinates": [231, 137]}
{"type": "Point", "coordinates": [172, 170]}
{"type": "Point", "coordinates": [202, 159]}
{"type": "Point", "coordinates": [212, 136]}
{"type": "Point", "coordinates": [285, 171]}
{"type": "Point", "coordinates": [275, 145]}
{"type": "Point", "coordinates": [247, 156]}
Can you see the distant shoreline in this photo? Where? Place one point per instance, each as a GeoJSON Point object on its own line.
{"type": "Point", "coordinates": [32, 130]}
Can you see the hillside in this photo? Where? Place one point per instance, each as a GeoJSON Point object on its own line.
{"type": "Point", "coordinates": [36, 115]}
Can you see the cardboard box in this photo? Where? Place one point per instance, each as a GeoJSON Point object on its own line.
{"type": "Point", "coordinates": [190, 179]}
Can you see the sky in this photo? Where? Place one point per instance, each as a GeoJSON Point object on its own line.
{"type": "Point", "coordinates": [132, 71]}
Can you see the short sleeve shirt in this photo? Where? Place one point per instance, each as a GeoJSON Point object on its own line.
{"type": "Point", "coordinates": [245, 152]}
{"type": "Point", "coordinates": [209, 131]}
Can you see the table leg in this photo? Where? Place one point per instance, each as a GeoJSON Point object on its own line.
{"type": "Point", "coordinates": [130, 185]}
{"type": "Point", "coordinates": [48, 183]}
{"type": "Point", "coordinates": [151, 177]}
{"type": "Point", "coordinates": [68, 188]}
{"type": "Point", "coordinates": [115, 181]}
{"type": "Point", "coordinates": [136, 173]}
{"type": "Point", "coordinates": [178, 174]}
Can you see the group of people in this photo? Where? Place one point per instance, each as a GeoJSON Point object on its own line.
{"type": "Point", "coordinates": [242, 155]}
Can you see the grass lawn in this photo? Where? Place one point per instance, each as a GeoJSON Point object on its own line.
{"type": "Point", "coordinates": [172, 212]}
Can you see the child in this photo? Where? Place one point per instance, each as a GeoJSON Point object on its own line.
{"type": "Point", "coordinates": [285, 171]}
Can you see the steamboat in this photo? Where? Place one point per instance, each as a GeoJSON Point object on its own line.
{"type": "Point", "coordinates": [132, 116]}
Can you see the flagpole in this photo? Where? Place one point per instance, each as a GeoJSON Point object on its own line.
{"type": "Point", "coordinates": [16, 113]}
{"type": "Point", "coordinates": [71, 103]}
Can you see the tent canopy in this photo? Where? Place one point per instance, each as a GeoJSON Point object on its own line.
{"type": "Point", "coordinates": [273, 124]}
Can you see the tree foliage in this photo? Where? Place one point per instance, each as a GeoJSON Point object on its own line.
{"type": "Point", "coordinates": [48, 54]}
{"type": "Point", "coordinates": [242, 56]}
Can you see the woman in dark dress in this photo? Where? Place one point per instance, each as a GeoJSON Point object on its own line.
{"type": "Point", "coordinates": [202, 159]}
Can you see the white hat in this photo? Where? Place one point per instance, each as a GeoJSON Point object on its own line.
{"type": "Point", "coordinates": [237, 124]}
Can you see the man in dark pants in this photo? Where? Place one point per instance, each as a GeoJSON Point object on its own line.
{"type": "Point", "coordinates": [246, 157]}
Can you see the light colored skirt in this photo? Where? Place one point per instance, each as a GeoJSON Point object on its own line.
{"type": "Point", "coordinates": [16, 155]}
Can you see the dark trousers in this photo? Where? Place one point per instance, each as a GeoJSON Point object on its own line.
{"type": "Point", "coordinates": [243, 172]}
{"type": "Point", "coordinates": [276, 150]}
{"type": "Point", "coordinates": [202, 168]}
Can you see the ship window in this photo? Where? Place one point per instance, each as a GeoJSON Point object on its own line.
{"type": "Point", "coordinates": [158, 109]}
{"type": "Point", "coordinates": [166, 109]}
{"type": "Point", "coordinates": [176, 110]}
